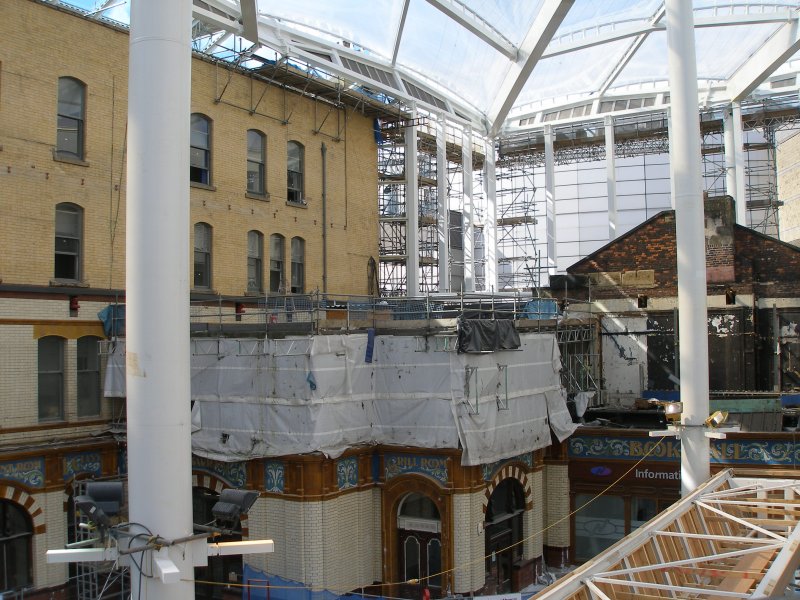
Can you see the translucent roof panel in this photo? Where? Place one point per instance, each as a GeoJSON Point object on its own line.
{"type": "Point", "coordinates": [463, 63]}
{"type": "Point", "coordinates": [567, 75]}
{"type": "Point", "coordinates": [371, 25]}
{"type": "Point", "coordinates": [477, 58]}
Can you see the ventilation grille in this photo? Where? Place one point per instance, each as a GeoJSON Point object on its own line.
{"type": "Point", "coordinates": [385, 77]}
{"type": "Point", "coordinates": [421, 94]}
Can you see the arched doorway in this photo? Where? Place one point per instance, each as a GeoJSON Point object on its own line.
{"type": "Point", "coordinates": [16, 536]}
{"type": "Point", "coordinates": [503, 530]}
{"type": "Point", "coordinates": [419, 536]}
{"type": "Point", "coordinates": [211, 581]}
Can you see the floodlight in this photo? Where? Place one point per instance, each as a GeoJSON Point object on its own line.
{"type": "Point", "coordinates": [101, 500]}
{"type": "Point", "coordinates": [232, 504]}
{"type": "Point", "coordinates": [92, 510]}
{"type": "Point", "coordinates": [106, 494]}
{"type": "Point", "coordinates": [717, 418]}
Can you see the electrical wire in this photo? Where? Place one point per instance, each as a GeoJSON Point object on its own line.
{"type": "Point", "coordinates": [465, 565]}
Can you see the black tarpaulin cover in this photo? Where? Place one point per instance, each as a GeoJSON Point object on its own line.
{"type": "Point", "coordinates": [487, 335]}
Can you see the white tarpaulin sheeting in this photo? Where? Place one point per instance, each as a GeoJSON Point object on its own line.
{"type": "Point", "coordinates": [257, 398]}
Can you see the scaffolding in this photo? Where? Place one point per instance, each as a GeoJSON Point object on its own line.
{"type": "Point", "coordinates": [518, 258]}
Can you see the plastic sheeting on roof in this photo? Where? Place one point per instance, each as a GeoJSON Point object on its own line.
{"type": "Point", "coordinates": [259, 398]}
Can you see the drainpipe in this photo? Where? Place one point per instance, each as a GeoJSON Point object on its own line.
{"type": "Point", "coordinates": [324, 150]}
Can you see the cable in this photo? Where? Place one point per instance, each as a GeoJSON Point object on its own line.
{"type": "Point", "coordinates": [610, 486]}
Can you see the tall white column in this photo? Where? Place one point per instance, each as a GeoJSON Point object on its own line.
{"type": "Point", "coordinates": [412, 211]}
{"type": "Point", "coordinates": [611, 178]}
{"type": "Point", "coordinates": [739, 160]}
{"type": "Point", "coordinates": [157, 280]}
{"type": "Point", "coordinates": [469, 217]}
{"type": "Point", "coordinates": [490, 227]}
{"type": "Point", "coordinates": [443, 220]}
{"type": "Point", "coordinates": [550, 199]}
{"type": "Point", "coordinates": [685, 164]}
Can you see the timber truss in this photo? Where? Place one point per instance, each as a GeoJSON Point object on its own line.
{"type": "Point", "coordinates": [734, 537]}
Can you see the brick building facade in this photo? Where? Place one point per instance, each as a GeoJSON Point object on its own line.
{"type": "Point", "coordinates": [257, 232]}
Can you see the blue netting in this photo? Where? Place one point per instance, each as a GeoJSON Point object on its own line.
{"type": "Point", "coordinates": [262, 586]}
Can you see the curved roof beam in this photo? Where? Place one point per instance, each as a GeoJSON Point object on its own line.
{"type": "Point", "coordinates": [652, 26]}
{"type": "Point", "coordinates": [531, 50]}
{"type": "Point", "coordinates": [475, 25]}
{"type": "Point", "coordinates": [249, 20]}
{"type": "Point", "coordinates": [401, 26]}
{"type": "Point", "coordinates": [632, 50]}
{"type": "Point", "coordinates": [777, 50]}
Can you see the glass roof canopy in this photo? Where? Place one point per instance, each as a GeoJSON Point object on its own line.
{"type": "Point", "coordinates": [500, 65]}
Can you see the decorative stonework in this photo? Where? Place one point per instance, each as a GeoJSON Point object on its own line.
{"type": "Point", "coordinates": [514, 472]}
{"type": "Point", "coordinates": [233, 474]}
{"type": "Point", "coordinates": [490, 469]}
{"type": "Point", "coordinates": [347, 473]}
{"type": "Point", "coordinates": [403, 464]}
{"type": "Point", "coordinates": [274, 477]}
{"type": "Point", "coordinates": [83, 463]}
{"type": "Point", "coordinates": [29, 503]}
{"type": "Point", "coordinates": [29, 471]}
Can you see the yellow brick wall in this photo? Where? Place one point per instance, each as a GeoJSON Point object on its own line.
{"type": "Point", "coordinates": [32, 182]}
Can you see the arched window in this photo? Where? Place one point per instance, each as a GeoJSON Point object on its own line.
{"type": "Point", "coordinates": [256, 162]}
{"type": "Point", "coordinates": [295, 165]}
{"type": "Point", "coordinates": [200, 150]}
{"type": "Point", "coordinates": [298, 265]}
{"type": "Point", "coordinates": [68, 246]}
{"type": "Point", "coordinates": [88, 376]}
{"type": "Point", "coordinates": [255, 253]}
{"type": "Point", "coordinates": [51, 378]}
{"type": "Point", "coordinates": [16, 535]}
{"type": "Point", "coordinates": [71, 111]}
{"type": "Point", "coordinates": [202, 256]}
{"type": "Point", "coordinates": [419, 533]}
{"type": "Point", "coordinates": [276, 260]}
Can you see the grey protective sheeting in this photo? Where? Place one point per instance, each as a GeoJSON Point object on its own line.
{"type": "Point", "coordinates": [259, 398]}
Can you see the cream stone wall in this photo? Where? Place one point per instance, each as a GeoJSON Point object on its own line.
{"type": "Point", "coordinates": [788, 165]}
{"type": "Point", "coordinates": [331, 544]}
{"type": "Point", "coordinates": [469, 542]}
{"type": "Point", "coordinates": [534, 518]}
{"type": "Point", "coordinates": [32, 181]}
{"type": "Point", "coordinates": [556, 481]}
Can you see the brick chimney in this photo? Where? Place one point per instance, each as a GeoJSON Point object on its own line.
{"type": "Point", "coordinates": [720, 222]}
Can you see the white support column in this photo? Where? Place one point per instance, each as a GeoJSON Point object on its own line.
{"type": "Point", "coordinates": [690, 233]}
{"type": "Point", "coordinates": [157, 280]}
{"type": "Point", "coordinates": [738, 144]}
{"type": "Point", "coordinates": [412, 211]}
{"type": "Point", "coordinates": [469, 218]}
{"type": "Point", "coordinates": [443, 221]}
{"type": "Point", "coordinates": [550, 200]}
{"type": "Point", "coordinates": [611, 178]}
{"type": "Point", "coordinates": [490, 226]}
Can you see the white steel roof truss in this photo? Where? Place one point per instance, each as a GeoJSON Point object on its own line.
{"type": "Point", "coordinates": [669, 588]}
{"type": "Point", "coordinates": [744, 522]}
{"type": "Point", "coordinates": [399, 35]}
{"type": "Point", "coordinates": [632, 50]}
{"type": "Point", "coordinates": [696, 549]}
{"type": "Point", "coordinates": [476, 25]}
{"type": "Point", "coordinates": [775, 51]}
{"type": "Point", "coordinates": [533, 46]}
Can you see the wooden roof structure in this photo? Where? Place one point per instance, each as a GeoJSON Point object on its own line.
{"type": "Point", "coordinates": [734, 537]}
